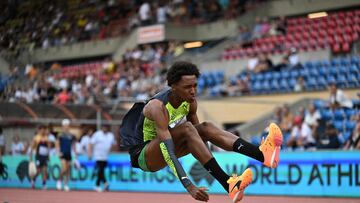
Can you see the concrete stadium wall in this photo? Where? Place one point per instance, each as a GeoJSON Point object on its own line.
{"type": "Point", "coordinates": [233, 67]}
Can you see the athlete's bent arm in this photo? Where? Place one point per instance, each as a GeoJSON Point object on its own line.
{"type": "Point", "coordinates": [156, 111]}
{"type": "Point", "coordinates": [192, 116]}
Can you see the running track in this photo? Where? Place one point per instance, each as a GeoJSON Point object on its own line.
{"type": "Point", "coordinates": [52, 196]}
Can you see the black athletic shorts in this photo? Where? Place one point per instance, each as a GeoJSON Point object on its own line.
{"type": "Point", "coordinates": [67, 157]}
{"type": "Point", "coordinates": [41, 161]}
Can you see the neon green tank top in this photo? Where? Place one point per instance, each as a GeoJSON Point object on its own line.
{"type": "Point", "coordinates": [177, 116]}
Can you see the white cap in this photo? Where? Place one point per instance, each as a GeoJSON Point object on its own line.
{"type": "Point", "coordinates": [65, 122]}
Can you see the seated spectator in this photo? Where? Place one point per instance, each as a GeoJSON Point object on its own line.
{"type": "Point", "coordinates": [264, 64]}
{"type": "Point", "coordinates": [300, 84]}
{"type": "Point", "coordinates": [329, 140]}
{"type": "Point", "coordinates": [244, 35]}
{"type": "Point", "coordinates": [353, 143]}
{"type": "Point", "coordinates": [338, 98]}
{"type": "Point", "coordinates": [293, 58]}
{"type": "Point", "coordinates": [252, 63]}
{"type": "Point", "coordinates": [301, 135]}
{"type": "Point", "coordinates": [277, 116]}
{"type": "Point", "coordinates": [312, 116]}
{"type": "Point", "coordinates": [287, 119]}
{"type": "Point", "coordinates": [17, 147]}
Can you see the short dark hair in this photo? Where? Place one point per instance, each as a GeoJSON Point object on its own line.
{"type": "Point", "coordinates": [180, 68]}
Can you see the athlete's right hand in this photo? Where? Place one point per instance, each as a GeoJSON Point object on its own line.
{"type": "Point", "coordinates": [198, 193]}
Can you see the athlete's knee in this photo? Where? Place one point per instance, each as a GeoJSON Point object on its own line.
{"type": "Point", "coordinates": [188, 128]}
{"type": "Point", "coordinates": [205, 128]}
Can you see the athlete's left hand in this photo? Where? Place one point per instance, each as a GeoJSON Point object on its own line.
{"type": "Point", "coordinates": [198, 193]}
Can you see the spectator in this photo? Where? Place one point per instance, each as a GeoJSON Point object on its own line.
{"type": "Point", "coordinates": [301, 136]}
{"type": "Point", "coordinates": [353, 142]}
{"type": "Point", "coordinates": [330, 138]}
{"type": "Point", "coordinates": [337, 98]}
{"type": "Point", "coordinates": [252, 63]}
{"type": "Point", "coordinates": [287, 119]}
{"type": "Point", "coordinates": [85, 140]}
{"type": "Point", "coordinates": [2, 142]}
{"type": "Point", "coordinates": [300, 84]}
{"type": "Point", "coordinates": [264, 64]}
{"type": "Point", "coordinates": [312, 116]}
{"type": "Point", "coordinates": [63, 97]}
{"type": "Point", "coordinates": [100, 145]}
{"type": "Point", "coordinates": [145, 13]}
{"type": "Point", "coordinates": [17, 147]}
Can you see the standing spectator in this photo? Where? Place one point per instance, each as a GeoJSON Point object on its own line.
{"type": "Point", "coordinates": [145, 13]}
{"type": "Point", "coordinates": [301, 136]}
{"type": "Point", "coordinates": [99, 148]}
{"type": "Point", "coordinates": [2, 142]}
{"type": "Point", "coordinates": [63, 97]}
{"type": "Point", "coordinates": [41, 146]}
{"type": "Point", "coordinates": [85, 140]}
{"type": "Point", "coordinates": [161, 13]}
{"type": "Point", "coordinates": [65, 144]}
{"type": "Point", "coordinates": [353, 143]}
{"type": "Point", "coordinates": [17, 147]}
{"type": "Point", "coordinates": [338, 98]}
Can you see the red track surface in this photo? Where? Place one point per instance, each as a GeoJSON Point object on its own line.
{"type": "Point", "coordinates": [51, 196]}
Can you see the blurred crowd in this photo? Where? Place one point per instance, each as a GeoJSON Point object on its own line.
{"type": "Point", "coordinates": [307, 129]}
{"type": "Point", "coordinates": [140, 74]}
{"type": "Point", "coordinates": [30, 24]}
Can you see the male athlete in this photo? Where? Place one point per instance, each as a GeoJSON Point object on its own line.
{"type": "Point", "coordinates": [41, 146]}
{"type": "Point", "coordinates": [165, 128]}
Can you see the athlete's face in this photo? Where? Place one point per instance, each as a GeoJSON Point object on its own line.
{"type": "Point", "coordinates": [186, 88]}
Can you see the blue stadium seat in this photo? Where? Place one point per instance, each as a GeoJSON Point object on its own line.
{"type": "Point", "coordinates": [294, 73]}
{"type": "Point", "coordinates": [285, 74]}
{"type": "Point", "coordinates": [269, 76]}
{"type": "Point", "coordinates": [339, 125]}
{"type": "Point", "coordinates": [276, 75]}
{"type": "Point", "coordinates": [346, 135]}
{"type": "Point", "coordinates": [339, 114]}
{"type": "Point", "coordinates": [284, 86]}
{"type": "Point", "coordinates": [327, 114]}
{"type": "Point", "coordinates": [349, 113]}
{"type": "Point", "coordinates": [341, 80]}
{"type": "Point", "coordinates": [331, 79]}
{"type": "Point", "coordinates": [319, 104]}
{"type": "Point", "coordinates": [350, 125]}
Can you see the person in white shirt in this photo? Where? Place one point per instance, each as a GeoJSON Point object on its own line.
{"type": "Point", "coordinates": [145, 13]}
{"type": "Point", "coordinates": [101, 143]}
{"type": "Point", "coordinates": [312, 117]}
{"type": "Point", "coordinates": [338, 98]}
{"type": "Point", "coordinates": [301, 135]}
{"type": "Point", "coordinates": [17, 147]}
{"type": "Point", "coordinates": [85, 141]}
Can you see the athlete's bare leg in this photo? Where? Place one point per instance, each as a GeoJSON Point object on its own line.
{"type": "Point", "coordinates": [186, 140]}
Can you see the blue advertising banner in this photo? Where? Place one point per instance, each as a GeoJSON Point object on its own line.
{"type": "Point", "coordinates": [325, 173]}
